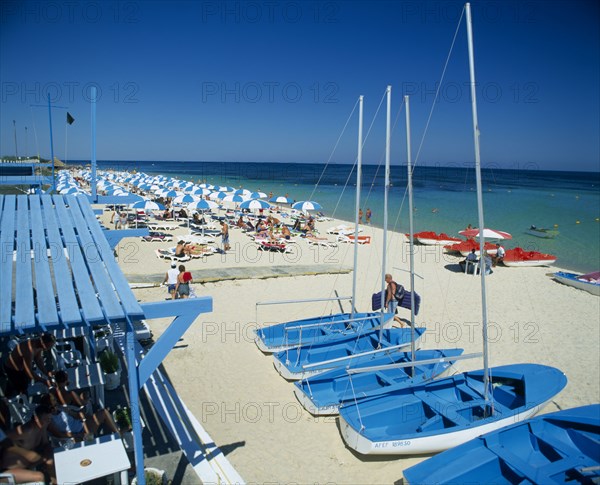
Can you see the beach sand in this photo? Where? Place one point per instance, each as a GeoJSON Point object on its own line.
{"type": "Point", "coordinates": [251, 412]}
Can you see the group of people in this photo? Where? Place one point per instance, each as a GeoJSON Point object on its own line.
{"type": "Point", "coordinates": [489, 260]}
{"type": "Point", "coordinates": [120, 220]}
{"type": "Point", "coordinates": [60, 412]}
{"type": "Point", "coordinates": [367, 215]}
{"type": "Point", "coordinates": [178, 282]}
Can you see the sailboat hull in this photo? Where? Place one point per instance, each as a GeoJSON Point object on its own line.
{"type": "Point", "coordinates": [323, 394]}
{"type": "Point", "coordinates": [292, 364]}
{"type": "Point", "coordinates": [447, 412]}
{"type": "Point", "coordinates": [317, 330]}
{"type": "Point", "coordinates": [559, 447]}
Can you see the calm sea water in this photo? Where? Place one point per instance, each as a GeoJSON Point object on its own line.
{"type": "Point", "coordinates": [513, 199]}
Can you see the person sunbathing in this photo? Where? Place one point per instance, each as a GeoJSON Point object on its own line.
{"type": "Point", "coordinates": [182, 249]}
{"type": "Point", "coordinates": [285, 232]}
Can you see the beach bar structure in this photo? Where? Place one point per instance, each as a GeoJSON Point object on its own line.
{"type": "Point", "coordinates": [58, 274]}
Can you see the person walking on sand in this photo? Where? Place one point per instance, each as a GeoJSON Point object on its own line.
{"type": "Point", "coordinates": [360, 216]}
{"type": "Point", "coordinates": [225, 236]}
{"type": "Point", "coordinates": [368, 216]}
{"type": "Point", "coordinates": [184, 278]}
{"type": "Point", "coordinates": [171, 280]}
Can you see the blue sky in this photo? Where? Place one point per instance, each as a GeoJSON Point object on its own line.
{"type": "Point", "coordinates": [276, 81]}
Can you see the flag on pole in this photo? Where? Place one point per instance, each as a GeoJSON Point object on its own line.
{"type": "Point", "coordinates": [70, 119]}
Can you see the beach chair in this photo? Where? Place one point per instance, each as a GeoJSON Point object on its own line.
{"type": "Point", "coordinates": [20, 409]}
{"type": "Point", "coordinates": [350, 239]}
{"type": "Point", "coordinates": [153, 226]}
{"type": "Point", "coordinates": [9, 479]}
{"type": "Point", "coordinates": [155, 236]}
{"type": "Point", "coordinates": [320, 241]}
{"type": "Point", "coordinates": [272, 246]}
{"type": "Point", "coordinates": [170, 254]}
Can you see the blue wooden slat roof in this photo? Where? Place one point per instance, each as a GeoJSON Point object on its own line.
{"type": "Point", "coordinates": [56, 267]}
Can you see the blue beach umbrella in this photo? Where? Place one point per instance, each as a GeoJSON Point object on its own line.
{"type": "Point", "coordinates": [280, 199]}
{"type": "Point", "coordinates": [69, 190]}
{"type": "Point", "coordinates": [185, 199]}
{"type": "Point", "coordinates": [203, 205]}
{"type": "Point", "coordinates": [257, 195]}
{"type": "Point", "coordinates": [170, 193]}
{"type": "Point", "coordinates": [234, 198]}
{"type": "Point", "coordinates": [217, 195]}
{"type": "Point", "coordinates": [224, 189]}
{"type": "Point", "coordinates": [255, 204]}
{"type": "Point", "coordinates": [201, 191]}
{"type": "Point", "coordinates": [307, 205]}
{"type": "Point", "coordinates": [243, 192]}
{"type": "Point", "coordinates": [147, 205]}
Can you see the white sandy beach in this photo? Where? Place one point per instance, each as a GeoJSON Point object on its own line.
{"type": "Point", "coordinates": [251, 412]}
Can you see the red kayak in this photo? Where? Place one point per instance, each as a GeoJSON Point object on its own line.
{"type": "Point", "coordinates": [465, 247]}
{"type": "Point", "coordinates": [520, 257]}
{"type": "Point", "coordinates": [430, 238]}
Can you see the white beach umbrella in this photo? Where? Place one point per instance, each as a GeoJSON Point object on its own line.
{"type": "Point", "coordinates": [234, 198]}
{"type": "Point", "coordinates": [203, 205]}
{"type": "Point", "coordinates": [185, 199]}
{"type": "Point", "coordinates": [255, 204]}
{"type": "Point", "coordinates": [280, 199]}
{"type": "Point", "coordinates": [307, 205]}
{"type": "Point", "coordinates": [487, 233]}
{"type": "Point", "coordinates": [217, 195]}
{"type": "Point", "coordinates": [201, 191]}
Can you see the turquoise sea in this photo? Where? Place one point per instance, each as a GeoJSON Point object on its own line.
{"type": "Point", "coordinates": [513, 199]}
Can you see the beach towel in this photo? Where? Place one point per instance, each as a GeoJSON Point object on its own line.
{"type": "Point", "coordinates": [404, 303]}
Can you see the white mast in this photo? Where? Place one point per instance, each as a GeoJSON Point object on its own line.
{"type": "Point", "coordinates": [482, 268]}
{"type": "Point", "coordinates": [388, 138]}
{"type": "Point", "coordinates": [358, 183]}
{"type": "Point", "coordinates": [410, 230]}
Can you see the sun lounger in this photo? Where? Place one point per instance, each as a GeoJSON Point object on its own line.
{"type": "Point", "coordinates": [350, 239]}
{"type": "Point", "coordinates": [342, 229]}
{"type": "Point", "coordinates": [161, 227]}
{"type": "Point", "coordinates": [272, 246]}
{"type": "Point", "coordinates": [320, 241]}
{"type": "Point", "coordinates": [157, 237]}
{"type": "Point", "coordinates": [168, 254]}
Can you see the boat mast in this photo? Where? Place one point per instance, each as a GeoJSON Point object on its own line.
{"type": "Point", "coordinates": [358, 183]}
{"type": "Point", "coordinates": [481, 224]}
{"type": "Point", "coordinates": [386, 188]}
{"type": "Point", "coordinates": [410, 231]}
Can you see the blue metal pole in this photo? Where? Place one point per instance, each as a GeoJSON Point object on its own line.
{"type": "Point", "coordinates": [134, 390]}
{"type": "Point", "coordinates": [51, 144]}
{"type": "Point", "coordinates": [93, 160]}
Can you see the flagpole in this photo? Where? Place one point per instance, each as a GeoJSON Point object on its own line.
{"type": "Point", "coordinates": [51, 144]}
{"type": "Point", "coordinates": [93, 160]}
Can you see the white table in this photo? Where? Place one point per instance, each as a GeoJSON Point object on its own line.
{"type": "Point", "coordinates": [87, 375]}
{"type": "Point", "coordinates": [90, 460]}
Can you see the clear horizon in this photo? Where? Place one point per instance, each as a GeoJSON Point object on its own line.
{"type": "Point", "coordinates": [276, 81]}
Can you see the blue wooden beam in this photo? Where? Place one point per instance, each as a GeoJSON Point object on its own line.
{"type": "Point", "coordinates": [115, 199]}
{"type": "Point", "coordinates": [185, 313]}
{"type": "Point", "coordinates": [113, 237]}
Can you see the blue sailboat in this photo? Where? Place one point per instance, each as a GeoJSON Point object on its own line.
{"type": "Point", "coordinates": [560, 447]}
{"type": "Point", "coordinates": [317, 330]}
{"type": "Point", "coordinates": [323, 329]}
{"type": "Point", "coordinates": [323, 394]}
{"type": "Point", "coordinates": [308, 360]}
{"type": "Point", "coordinates": [448, 412]}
